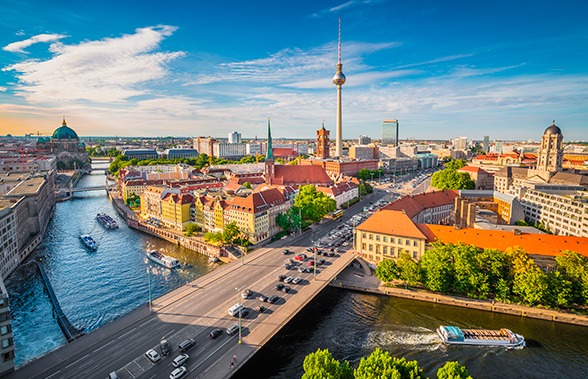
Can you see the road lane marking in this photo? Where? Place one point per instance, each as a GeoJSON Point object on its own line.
{"type": "Point", "coordinates": [76, 361]}
{"type": "Point", "coordinates": [103, 346]}
{"type": "Point", "coordinates": [130, 331]}
{"type": "Point", "coordinates": [55, 373]}
{"type": "Point", "coordinates": [147, 322]}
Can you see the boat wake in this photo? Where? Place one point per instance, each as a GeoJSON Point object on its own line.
{"type": "Point", "coordinates": [418, 338]}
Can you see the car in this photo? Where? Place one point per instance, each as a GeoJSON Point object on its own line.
{"type": "Point", "coordinates": [288, 280]}
{"type": "Point", "coordinates": [165, 347]}
{"type": "Point", "coordinates": [180, 360]}
{"type": "Point", "coordinates": [310, 263]}
{"type": "Point", "coordinates": [296, 280]}
{"type": "Point", "coordinates": [232, 329]}
{"type": "Point", "coordinates": [289, 261]}
{"type": "Point", "coordinates": [246, 294]}
{"type": "Point", "coordinates": [113, 375]}
{"type": "Point", "coordinates": [261, 309]}
{"type": "Point", "coordinates": [321, 262]}
{"type": "Point", "coordinates": [285, 289]}
{"type": "Point", "coordinates": [286, 252]}
{"type": "Point", "coordinates": [281, 277]}
{"type": "Point", "coordinates": [279, 286]}
{"type": "Point", "coordinates": [299, 257]}
{"type": "Point", "coordinates": [331, 254]}
{"type": "Point", "coordinates": [178, 373]}
{"type": "Point", "coordinates": [186, 345]}
{"type": "Point", "coordinates": [244, 312]}
{"type": "Point", "coordinates": [309, 249]}
{"type": "Point", "coordinates": [301, 269]}
{"type": "Point", "coordinates": [214, 333]}
{"type": "Point", "coordinates": [263, 298]}
{"type": "Point", "coordinates": [286, 266]}
{"type": "Point", "coordinates": [273, 299]}
{"type": "Point", "coordinates": [153, 355]}
{"type": "Point", "coordinates": [345, 243]}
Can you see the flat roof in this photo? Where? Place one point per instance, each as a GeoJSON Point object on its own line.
{"type": "Point", "coordinates": [27, 187]}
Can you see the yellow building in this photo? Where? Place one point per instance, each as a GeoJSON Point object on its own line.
{"type": "Point", "coordinates": [175, 210]}
{"type": "Point", "coordinates": [386, 234]}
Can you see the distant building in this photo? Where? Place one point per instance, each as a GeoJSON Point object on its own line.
{"type": "Point", "coordinates": [363, 152]}
{"type": "Point", "coordinates": [390, 132]}
{"type": "Point", "coordinates": [181, 153]}
{"type": "Point", "coordinates": [141, 154]}
{"type": "Point", "coordinates": [460, 143]}
{"type": "Point", "coordinates": [364, 140]}
{"type": "Point", "coordinates": [342, 192]}
{"type": "Point", "coordinates": [322, 143]}
{"type": "Point", "coordinates": [66, 146]}
{"type": "Point", "coordinates": [235, 137]}
{"type": "Point", "coordinates": [484, 180]}
{"type": "Point", "coordinates": [486, 145]}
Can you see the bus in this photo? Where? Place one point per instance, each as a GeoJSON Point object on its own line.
{"type": "Point", "coordinates": [335, 215]}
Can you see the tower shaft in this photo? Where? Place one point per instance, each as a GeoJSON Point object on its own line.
{"type": "Point", "coordinates": [339, 137]}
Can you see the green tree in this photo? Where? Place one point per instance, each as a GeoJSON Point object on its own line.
{"type": "Point", "coordinates": [322, 365]}
{"type": "Point", "coordinates": [437, 266]}
{"type": "Point", "coordinates": [314, 204]}
{"type": "Point", "coordinates": [452, 179]}
{"type": "Point", "coordinates": [363, 174]}
{"type": "Point", "coordinates": [247, 185]}
{"type": "Point", "coordinates": [368, 187]}
{"type": "Point", "coordinates": [191, 228]}
{"type": "Point", "coordinates": [456, 164]}
{"type": "Point", "coordinates": [409, 269]}
{"type": "Point", "coordinates": [387, 270]}
{"type": "Point", "coordinates": [453, 370]}
{"type": "Point", "coordinates": [574, 268]}
{"type": "Point", "coordinates": [560, 293]}
{"type": "Point", "coordinates": [214, 238]}
{"type": "Point", "coordinates": [531, 285]}
{"type": "Point", "coordinates": [230, 232]}
{"type": "Point", "coordinates": [380, 364]}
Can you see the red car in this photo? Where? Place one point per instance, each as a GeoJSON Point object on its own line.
{"type": "Point", "coordinates": [310, 263]}
{"type": "Point", "coordinates": [299, 258]}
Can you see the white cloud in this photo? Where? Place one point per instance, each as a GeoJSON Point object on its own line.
{"type": "Point", "coordinates": [108, 70]}
{"type": "Point", "coordinates": [18, 47]}
{"type": "Point", "coordinates": [3, 89]}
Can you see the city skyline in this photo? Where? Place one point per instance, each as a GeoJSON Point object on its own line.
{"type": "Point", "coordinates": [442, 70]}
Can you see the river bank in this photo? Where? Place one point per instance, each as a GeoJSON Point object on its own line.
{"type": "Point", "coordinates": [350, 280]}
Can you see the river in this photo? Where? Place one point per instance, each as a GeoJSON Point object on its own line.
{"type": "Point", "coordinates": [95, 288]}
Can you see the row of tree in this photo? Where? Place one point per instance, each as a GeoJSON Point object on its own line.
{"type": "Point", "coordinates": [228, 236]}
{"type": "Point", "coordinates": [450, 178]}
{"type": "Point", "coordinates": [309, 206]}
{"type": "Point", "coordinates": [378, 365]}
{"type": "Point", "coordinates": [365, 174]}
{"type": "Point", "coordinates": [509, 276]}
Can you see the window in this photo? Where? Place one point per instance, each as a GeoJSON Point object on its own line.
{"type": "Point", "coordinates": [6, 342]}
{"type": "Point", "coordinates": [363, 246]}
{"type": "Point", "coordinates": [4, 330]}
{"type": "Point", "coordinates": [371, 236]}
{"type": "Point", "coordinates": [414, 254]}
{"type": "Point", "coordinates": [385, 250]}
{"type": "Point", "coordinates": [414, 243]}
{"type": "Point", "coordinates": [363, 235]}
{"type": "Point", "coordinates": [371, 247]}
{"type": "Point", "coordinates": [385, 239]}
{"type": "Point", "coordinates": [377, 237]}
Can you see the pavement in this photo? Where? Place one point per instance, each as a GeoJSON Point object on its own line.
{"type": "Point", "coordinates": [192, 311]}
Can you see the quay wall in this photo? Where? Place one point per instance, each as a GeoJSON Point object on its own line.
{"type": "Point", "coordinates": [457, 301]}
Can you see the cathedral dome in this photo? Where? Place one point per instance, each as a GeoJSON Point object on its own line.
{"type": "Point", "coordinates": [553, 129]}
{"type": "Point", "coordinates": [65, 132]}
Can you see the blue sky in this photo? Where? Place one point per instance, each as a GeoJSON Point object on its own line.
{"type": "Point", "coordinates": [187, 68]}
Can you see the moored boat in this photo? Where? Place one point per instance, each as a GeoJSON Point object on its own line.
{"type": "Point", "coordinates": [107, 221]}
{"type": "Point", "coordinates": [453, 335]}
{"type": "Point", "coordinates": [162, 259]}
{"type": "Point", "coordinates": [89, 242]}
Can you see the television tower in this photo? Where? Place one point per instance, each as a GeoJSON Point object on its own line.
{"type": "Point", "coordinates": [339, 80]}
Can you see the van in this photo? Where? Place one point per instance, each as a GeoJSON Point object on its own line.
{"type": "Point", "coordinates": [233, 329]}
{"type": "Point", "coordinates": [187, 344]}
{"type": "Point", "coordinates": [235, 309]}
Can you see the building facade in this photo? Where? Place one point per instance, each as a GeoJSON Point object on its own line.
{"type": "Point", "coordinates": [322, 143]}
{"type": "Point", "coordinates": [390, 129]}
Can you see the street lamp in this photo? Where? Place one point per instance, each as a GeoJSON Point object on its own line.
{"type": "Point", "coordinates": [238, 302]}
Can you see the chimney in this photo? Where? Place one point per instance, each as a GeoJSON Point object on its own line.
{"type": "Point", "coordinates": [516, 232]}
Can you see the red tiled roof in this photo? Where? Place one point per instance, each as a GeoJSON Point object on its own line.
{"type": "Point", "coordinates": [283, 152]}
{"type": "Point", "coordinates": [413, 205]}
{"type": "Point", "coordinates": [472, 169]}
{"type": "Point", "coordinates": [534, 244]}
{"type": "Point", "coordinates": [337, 189]}
{"type": "Point", "coordinates": [391, 222]}
{"type": "Point", "coordinates": [301, 174]}
{"type": "Point", "coordinates": [258, 201]}
{"type": "Point", "coordinates": [183, 198]}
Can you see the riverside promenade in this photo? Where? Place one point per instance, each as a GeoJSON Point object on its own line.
{"type": "Point", "coordinates": [354, 279]}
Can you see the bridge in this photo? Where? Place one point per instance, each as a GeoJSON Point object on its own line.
{"type": "Point", "coordinates": [192, 311]}
{"type": "Point", "coordinates": [82, 189]}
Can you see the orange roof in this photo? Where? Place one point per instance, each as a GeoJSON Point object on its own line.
{"type": "Point", "coordinates": [182, 198]}
{"type": "Point", "coordinates": [258, 201]}
{"type": "Point", "coordinates": [472, 169]}
{"type": "Point", "coordinates": [301, 174]}
{"type": "Point", "coordinates": [391, 222]}
{"type": "Point", "coordinates": [413, 205]}
{"type": "Point", "coordinates": [534, 244]}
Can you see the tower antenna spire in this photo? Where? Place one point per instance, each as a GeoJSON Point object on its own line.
{"type": "Point", "coordinates": [339, 43]}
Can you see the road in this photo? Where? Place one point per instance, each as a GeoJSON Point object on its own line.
{"type": "Point", "coordinates": [192, 311]}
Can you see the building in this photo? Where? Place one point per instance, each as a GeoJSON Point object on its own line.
{"type": "Point", "coordinates": [175, 210]}
{"type": "Point", "coordinates": [65, 144]}
{"type": "Point", "coordinates": [364, 140]}
{"type": "Point", "coordinates": [141, 154]}
{"type": "Point", "coordinates": [6, 340]}
{"type": "Point", "coordinates": [486, 144]}
{"type": "Point", "coordinates": [181, 153]}
{"type": "Point", "coordinates": [342, 192]}
{"type": "Point", "coordinates": [390, 129]}
{"type": "Point", "coordinates": [235, 137]}
{"type": "Point", "coordinates": [322, 143]}
{"type": "Point", "coordinates": [363, 152]}
{"type": "Point", "coordinates": [12, 163]}
{"type": "Point", "coordinates": [484, 180]}
{"type": "Point", "coordinates": [427, 208]}
{"type": "Point", "coordinates": [460, 143]}
{"type": "Point", "coordinates": [229, 150]}
{"type": "Point", "coordinates": [426, 160]}
{"type": "Point", "coordinates": [204, 145]}
{"type": "Point", "coordinates": [495, 207]}
{"type": "Point", "coordinates": [386, 234]}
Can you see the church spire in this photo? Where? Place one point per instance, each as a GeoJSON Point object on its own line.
{"type": "Point", "coordinates": [269, 154]}
{"type": "Point", "coordinates": [63, 123]}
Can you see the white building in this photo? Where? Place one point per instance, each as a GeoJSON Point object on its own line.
{"type": "Point", "coordinates": [342, 192]}
{"type": "Point", "coordinates": [235, 137]}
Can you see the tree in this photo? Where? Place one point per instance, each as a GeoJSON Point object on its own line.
{"type": "Point", "coordinates": [247, 185]}
{"type": "Point", "coordinates": [322, 365]}
{"type": "Point", "coordinates": [437, 266]}
{"type": "Point", "coordinates": [574, 268]}
{"type": "Point", "coordinates": [387, 270]}
{"type": "Point", "coordinates": [452, 179]}
{"type": "Point", "coordinates": [531, 285]}
{"type": "Point", "coordinates": [409, 270]}
{"type": "Point", "coordinates": [214, 238]}
{"type": "Point", "coordinates": [456, 164]}
{"type": "Point", "coordinates": [380, 364]}
{"type": "Point", "coordinates": [453, 370]}
{"type": "Point", "coordinates": [363, 174]}
{"type": "Point", "coordinates": [191, 228]}
{"type": "Point", "coordinates": [314, 205]}
{"type": "Point", "coordinates": [230, 232]}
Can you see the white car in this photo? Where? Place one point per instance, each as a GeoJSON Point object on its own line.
{"type": "Point", "coordinates": [296, 280]}
{"type": "Point", "coordinates": [153, 355]}
{"type": "Point", "coordinates": [178, 373]}
{"type": "Point", "coordinates": [180, 360]}
{"type": "Point", "coordinates": [288, 280]}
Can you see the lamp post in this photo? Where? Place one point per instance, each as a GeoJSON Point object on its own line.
{"type": "Point", "coordinates": [238, 302]}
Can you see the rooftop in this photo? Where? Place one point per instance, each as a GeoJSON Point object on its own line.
{"type": "Point", "coordinates": [391, 222]}
{"type": "Point", "coordinates": [27, 187]}
{"type": "Point", "coordinates": [413, 205]}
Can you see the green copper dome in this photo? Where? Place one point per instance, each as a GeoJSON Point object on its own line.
{"type": "Point", "coordinates": [64, 132]}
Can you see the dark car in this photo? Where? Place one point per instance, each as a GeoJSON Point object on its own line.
{"type": "Point", "coordinates": [186, 345]}
{"type": "Point", "coordinates": [286, 252]}
{"type": "Point", "coordinates": [244, 312]}
{"type": "Point", "coordinates": [285, 289]}
{"type": "Point", "coordinates": [281, 277]}
{"type": "Point", "coordinates": [214, 333]}
{"type": "Point", "coordinates": [279, 286]}
{"type": "Point", "coordinates": [274, 299]}
{"type": "Point", "coordinates": [261, 309]}
{"type": "Point", "coordinates": [165, 347]}
{"type": "Point", "coordinates": [321, 262]}
{"type": "Point", "coordinates": [263, 298]}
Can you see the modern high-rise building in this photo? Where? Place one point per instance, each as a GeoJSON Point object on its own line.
{"type": "Point", "coordinates": [486, 145]}
{"type": "Point", "coordinates": [234, 137]}
{"type": "Point", "coordinates": [390, 132]}
{"type": "Point", "coordinates": [460, 143]}
{"type": "Point", "coordinates": [364, 140]}
{"type": "Point", "coordinates": [339, 80]}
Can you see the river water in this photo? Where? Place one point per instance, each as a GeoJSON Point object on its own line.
{"type": "Point", "coordinates": [95, 288]}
